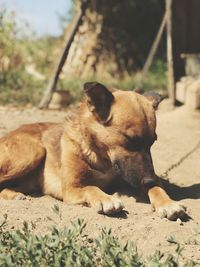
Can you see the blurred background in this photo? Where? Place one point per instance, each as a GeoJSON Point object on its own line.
{"type": "Point", "coordinates": [111, 45]}
{"type": "Point", "coordinates": [109, 41]}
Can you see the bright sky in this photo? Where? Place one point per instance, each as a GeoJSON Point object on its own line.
{"type": "Point", "coordinates": [42, 15]}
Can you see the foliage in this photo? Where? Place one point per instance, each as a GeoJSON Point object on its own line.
{"type": "Point", "coordinates": [20, 52]}
{"type": "Point", "coordinates": [26, 62]}
{"type": "Point", "coordinates": [155, 80]}
{"type": "Point", "coordinates": [157, 77]}
{"type": "Point", "coordinates": [70, 247]}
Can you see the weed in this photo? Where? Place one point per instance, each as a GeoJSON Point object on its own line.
{"type": "Point", "coordinates": [67, 247]}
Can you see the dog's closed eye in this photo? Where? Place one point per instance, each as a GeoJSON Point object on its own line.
{"type": "Point", "coordinates": [138, 143]}
{"type": "Point", "coordinates": [133, 142]}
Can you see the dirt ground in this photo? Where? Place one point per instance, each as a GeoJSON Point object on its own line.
{"type": "Point", "coordinates": [176, 157]}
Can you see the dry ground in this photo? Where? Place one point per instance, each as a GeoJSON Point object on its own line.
{"type": "Point", "coordinates": [176, 156]}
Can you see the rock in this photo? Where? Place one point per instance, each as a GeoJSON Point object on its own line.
{"type": "Point", "coordinates": [181, 88]}
{"type": "Point", "coordinates": [193, 95]}
{"type": "Point", "coordinates": [179, 221]}
{"type": "Point", "coordinates": [60, 99]}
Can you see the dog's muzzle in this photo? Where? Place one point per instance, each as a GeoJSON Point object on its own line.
{"type": "Point", "coordinates": [129, 175]}
{"type": "Point", "coordinates": [134, 175]}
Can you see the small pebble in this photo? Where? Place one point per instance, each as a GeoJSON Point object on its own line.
{"type": "Point", "coordinates": [179, 221]}
{"type": "Point", "coordinates": [90, 240]}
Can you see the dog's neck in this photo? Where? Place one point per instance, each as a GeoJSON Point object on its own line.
{"type": "Point", "coordinates": [86, 143]}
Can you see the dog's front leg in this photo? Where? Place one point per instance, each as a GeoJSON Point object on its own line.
{"type": "Point", "coordinates": [92, 196]}
{"type": "Point", "coordinates": [83, 185]}
{"type": "Point", "coordinates": [164, 205]}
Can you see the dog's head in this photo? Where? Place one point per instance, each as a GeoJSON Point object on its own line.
{"type": "Point", "coordinates": [122, 124]}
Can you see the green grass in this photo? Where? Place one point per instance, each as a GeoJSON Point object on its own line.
{"type": "Point", "coordinates": [155, 80]}
{"type": "Point", "coordinates": [21, 88]}
{"type": "Point", "coordinates": [69, 246]}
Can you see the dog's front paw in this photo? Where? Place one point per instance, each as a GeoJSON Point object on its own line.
{"type": "Point", "coordinates": [109, 206]}
{"type": "Point", "coordinates": [172, 210]}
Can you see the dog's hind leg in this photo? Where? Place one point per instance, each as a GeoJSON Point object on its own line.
{"type": "Point", "coordinates": [19, 155]}
{"type": "Point", "coordinates": [11, 194]}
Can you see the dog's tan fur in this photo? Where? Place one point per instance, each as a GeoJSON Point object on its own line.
{"type": "Point", "coordinates": [108, 139]}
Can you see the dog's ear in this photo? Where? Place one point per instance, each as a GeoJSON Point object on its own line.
{"type": "Point", "coordinates": [155, 98]}
{"type": "Point", "coordinates": [99, 99]}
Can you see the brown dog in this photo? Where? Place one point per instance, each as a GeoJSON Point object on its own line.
{"type": "Point", "coordinates": [109, 138]}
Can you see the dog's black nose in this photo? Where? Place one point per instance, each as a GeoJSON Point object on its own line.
{"type": "Point", "coordinates": [149, 182]}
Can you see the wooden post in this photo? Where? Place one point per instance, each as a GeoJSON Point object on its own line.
{"type": "Point", "coordinates": [52, 85]}
{"type": "Point", "coordinates": [170, 64]}
{"type": "Point", "coordinates": [152, 52]}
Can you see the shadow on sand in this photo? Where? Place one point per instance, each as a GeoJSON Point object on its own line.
{"type": "Point", "coordinates": [179, 193]}
{"type": "Point", "coordinates": [175, 192]}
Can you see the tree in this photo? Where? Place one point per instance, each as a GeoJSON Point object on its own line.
{"type": "Point", "coordinates": [107, 37]}
{"type": "Point", "coordinates": [114, 37]}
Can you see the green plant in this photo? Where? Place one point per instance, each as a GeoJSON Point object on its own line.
{"type": "Point", "coordinates": [25, 62]}
{"type": "Point", "coordinates": [156, 78]}
{"type": "Point", "coordinates": [69, 247]}
{"type": "Point", "coordinates": [155, 81]}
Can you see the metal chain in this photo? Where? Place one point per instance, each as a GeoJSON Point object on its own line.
{"type": "Point", "coordinates": [178, 163]}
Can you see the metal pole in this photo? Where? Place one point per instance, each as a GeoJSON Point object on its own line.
{"type": "Point", "coordinates": [170, 63]}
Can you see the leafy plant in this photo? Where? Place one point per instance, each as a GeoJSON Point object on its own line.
{"type": "Point", "coordinates": [25, 62]}
{"type": "Point", "coordinates": [69, 247]}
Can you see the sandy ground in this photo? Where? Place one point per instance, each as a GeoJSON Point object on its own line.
{"type": "Point", "coordinates": [176, 156]}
